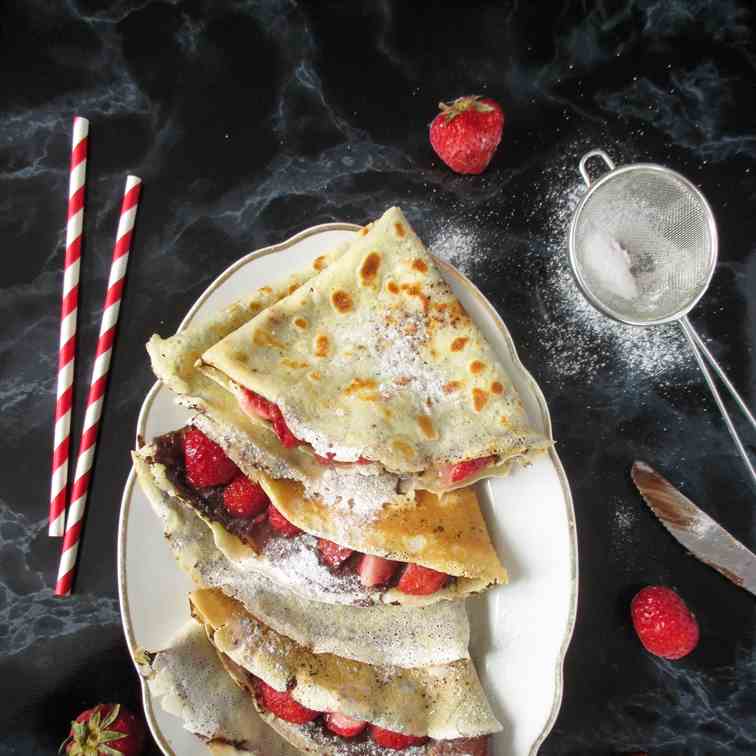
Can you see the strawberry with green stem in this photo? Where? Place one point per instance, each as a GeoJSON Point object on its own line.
{"type": "Point", "coordinates": [105, 730]}
{"type": "Point", "coordinates": [466, 133]}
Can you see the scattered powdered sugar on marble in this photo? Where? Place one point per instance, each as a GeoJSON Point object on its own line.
{"type": "Point", "coordinates": [623, 519]}
{"type": "Point", "coordinates": [460, 244]}
{"type": "Point", "coordinates": [624, 528]}
{"type": "Point", "coordinates": [574, 338]}
{"type": "Point", "coordinates": [578, 339]}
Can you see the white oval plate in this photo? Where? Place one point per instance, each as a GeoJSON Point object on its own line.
{"type": "Point", "coordinates": [520, 632]}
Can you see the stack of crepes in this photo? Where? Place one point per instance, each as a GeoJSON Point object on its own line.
{"type": "Point", "coordinates": [321, 498]}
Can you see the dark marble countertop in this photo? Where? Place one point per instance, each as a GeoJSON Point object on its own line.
{"type": "Point", "coordinates": [251, 120]}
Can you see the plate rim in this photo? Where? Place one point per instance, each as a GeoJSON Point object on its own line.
{"type": "Point", "coordinates": [450, 270]}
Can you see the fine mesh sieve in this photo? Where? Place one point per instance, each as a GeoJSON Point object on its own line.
{"type": "Point", "coordinates": [643, 247]}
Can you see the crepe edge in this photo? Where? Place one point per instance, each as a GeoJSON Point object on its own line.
{"type": "Point", "coordinates": [216, 722]}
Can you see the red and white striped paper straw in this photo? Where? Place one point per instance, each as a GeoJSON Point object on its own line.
{"type": "Point", "coordinates": [88, 442]}
{"type": "Point", "coordinates": [69, 308]}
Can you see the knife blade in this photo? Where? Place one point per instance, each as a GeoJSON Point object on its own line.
{"type": "Point", "coordinates": [702, 536]}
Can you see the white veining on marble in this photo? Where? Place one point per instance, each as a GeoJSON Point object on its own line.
{"type": "Point", "coordinates": [29, 612]}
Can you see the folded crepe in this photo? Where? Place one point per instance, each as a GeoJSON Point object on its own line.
{"type": "Point", "coordinates": [254, 443]}
{"type": "Point", "coordinates": [444, 703]}
{"type": "Point", "coordinates": [396, 635]}
{"type": "Point", "coordinates": [445, 534]}
{"type": "Point", "coordinates": [375, 360]}
{"type": "Point", "coordinates": [190, 682]}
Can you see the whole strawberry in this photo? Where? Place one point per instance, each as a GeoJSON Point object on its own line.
{"type": "Point", "coordinates": [206, 463]}
{"type": "Point", "coordinates": [664, 624]}
{"type": "Point", "coordinates": [466, 133]}
{"type": "Point", "coordinates": [105, 730]}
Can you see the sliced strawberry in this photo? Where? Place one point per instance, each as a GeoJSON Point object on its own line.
{"type": "Point", "coordinates": [256, 405]}
{"type": "Point", "coordinates": [243, 498]}
{"type": "Point", "coordinates": [363, 461]}
{"type": "Point", "coordinates": [284, 706]}
{"type": "Point", "coordinates": [280, 524]}
{"type": "Point", "coordinates": [285, 436]}
{"type": "Point", "coordinates": [205, 462]}
{"type": "Point", "coordinates": [421, 581]}
{"type": "Point", "coordinates": [459, 471]}
{"type": "Point", "coordinates": [394, 740]}
{"type": "Point", "coordinates": [375, 570]}
{"type": "Point", "coordinates": [333, 554]}
{"type": "Point", "coordinates": [343, 725]}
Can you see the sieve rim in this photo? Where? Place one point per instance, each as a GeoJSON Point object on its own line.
{"type": "Point", "coordinates": [712, 256]}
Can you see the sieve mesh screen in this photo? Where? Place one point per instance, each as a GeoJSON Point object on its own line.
{"type": "Point", "coordinates": [642, 244]}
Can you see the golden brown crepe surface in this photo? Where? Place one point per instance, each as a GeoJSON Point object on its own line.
{"type": "Point", "coordinates": [387, 365]}
{"type": "Point", "coordinates": [445, 532]}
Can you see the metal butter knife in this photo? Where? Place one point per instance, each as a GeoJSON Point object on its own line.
{"type": "Point", "coordinates": [694, 529]}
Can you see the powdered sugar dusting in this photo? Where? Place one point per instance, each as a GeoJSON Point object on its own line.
{"type": "Point", "coordinates": [394, 348]}
{"type": "Point", "coordinates": [246, 634]}
{"type": "Point", "coordinates": [295, 561]}
{"type": "Point", "coordinates": [580, 340]}
{"type": "Point", "coordinates": [574, 338]}
{"type": "Point", "coordinates": [322, 445]}
{"type": "Point", "coordinates": [357, 493]}
{"type": "Point", "coordinates": [190, 673]}
{"type": "Point", "coordinates": [460, 245]}
{"type": "Point", "coordinates": [239, 445]}
{"type": "Point", "coordinates": [609, 264]}
{"type": "Point", "coordinates": [624, 530]}
{"type": "Point", "coordinates": [397, 351]}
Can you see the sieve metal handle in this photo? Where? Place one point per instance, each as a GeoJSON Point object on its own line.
{"type": "Point", "coordinates": [588, 155]}
{"type": "Point", "coordinates": [694, 340]}
{"type": "Point", "coordinates": [723, 377]}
